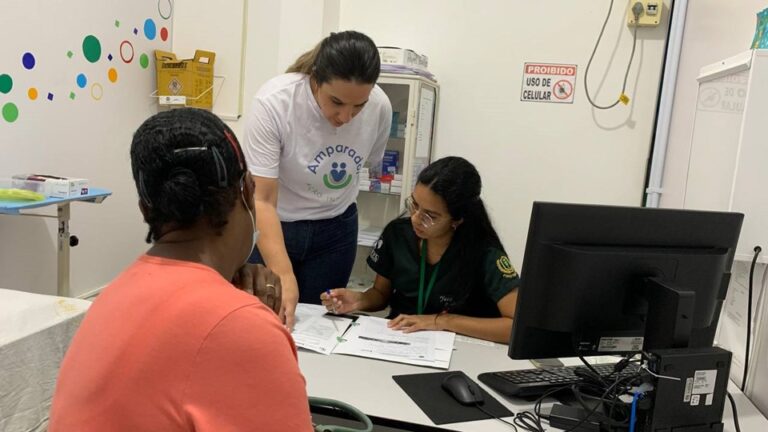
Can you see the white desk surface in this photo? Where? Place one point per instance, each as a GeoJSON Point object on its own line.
{"type": "Point", "coordinates": [368, 385]}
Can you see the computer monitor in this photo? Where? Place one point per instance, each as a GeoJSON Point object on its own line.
{"type": "Point", "coordinates": [615, 280]}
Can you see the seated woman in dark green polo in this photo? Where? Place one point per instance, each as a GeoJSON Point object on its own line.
{"type": "Point", "coordinates": [442, 268]}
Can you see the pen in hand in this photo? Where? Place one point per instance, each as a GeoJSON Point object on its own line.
{"type": "Point", "coordinates": [333, 305]}
{"type": "Point", "coordinates": [333, 310]}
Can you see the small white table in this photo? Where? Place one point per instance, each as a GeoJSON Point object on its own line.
{"type": "Point", "coordinates": [62, 216]}
{"type": "Point", "coordinates": [368, 385]}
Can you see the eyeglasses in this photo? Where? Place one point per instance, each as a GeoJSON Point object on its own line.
{"type": "Point", "coordinates": [426, 220]}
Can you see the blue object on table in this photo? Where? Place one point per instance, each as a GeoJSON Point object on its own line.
{"type": "Point", "coordinates": [94, 195]}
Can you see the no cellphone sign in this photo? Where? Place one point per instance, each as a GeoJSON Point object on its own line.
{"type": "Point", "coordinates": [546, 82]}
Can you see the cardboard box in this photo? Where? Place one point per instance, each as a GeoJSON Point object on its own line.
{"type": "Point", "coordinates": [185, 82]}
{"type": "Point", "coordinates": [51, 186]}
{"type": "Point", "coordinates": [403, 57]}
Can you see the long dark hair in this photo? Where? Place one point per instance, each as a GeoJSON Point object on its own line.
{"type": "Point", "coordinates": [347, 55]}
{"type": "Point", "coordinates": [458, 183]}
{"type": "Point", "coordinates": [187, 165]}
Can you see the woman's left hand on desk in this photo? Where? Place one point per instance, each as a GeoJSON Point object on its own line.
{"type": "Point", "coordinates": [412, 323]}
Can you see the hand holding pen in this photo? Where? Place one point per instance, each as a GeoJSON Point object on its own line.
{"type": "Point", "coordinates": [341, 300]}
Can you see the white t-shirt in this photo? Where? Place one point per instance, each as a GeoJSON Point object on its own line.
{"type": "Point", "coordinates": [317, 165]}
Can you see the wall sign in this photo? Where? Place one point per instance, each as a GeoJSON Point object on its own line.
{"type": "Point", "coordinates": [547, 82]}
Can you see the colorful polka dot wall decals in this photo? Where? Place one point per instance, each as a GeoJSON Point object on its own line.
{"type": "Point", "coordinates": [165, 9]}
{"type": "Point", "coordinates": [97, 91]}
{"type": "Point", "coordinates": [126, 51]}
{"type": "Point", "coordinates": [6, 83]}
{"type": "Point", "coordinates": [92, 48]}
{"type": "Point", "coordinates": [82, 80]}
{"type": "Point", "coordinates": [28, 60]}
{"type": "Point", "coordinates": [150, 30]}
{"type": "Point", "coordinates": [10, 112]}
{"type": "Point", "coordinates": [88, 47]}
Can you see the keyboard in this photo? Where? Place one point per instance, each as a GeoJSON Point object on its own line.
{"type": "Point", "coordinates": [535, 382]}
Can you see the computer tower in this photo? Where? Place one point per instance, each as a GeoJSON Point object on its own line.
{"type": "Point", "coordinates": [690, 389]}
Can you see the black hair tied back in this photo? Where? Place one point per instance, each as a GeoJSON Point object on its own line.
{"type": "Point", "coordinates": [181, 198]}
{"type": "Point", "coordinates": [187, 166]}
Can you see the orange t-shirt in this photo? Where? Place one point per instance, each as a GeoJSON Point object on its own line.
{"type": "Point", "coordinates": [172, 346]}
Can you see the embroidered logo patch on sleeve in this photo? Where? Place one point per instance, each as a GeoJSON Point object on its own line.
{"type": "Point", "coordinates": [505, 267]}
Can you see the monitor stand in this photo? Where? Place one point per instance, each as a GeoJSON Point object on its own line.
{"type": "Point", "coordinates": [670, 315]}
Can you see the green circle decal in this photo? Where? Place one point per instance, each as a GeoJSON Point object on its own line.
{"type": "Point", "coordinates": [6, 83]}
{"type": "Point", "coordinates": [10, 112]}
{"type": "Point", "coordinates": [91, 48]}
{"type": "Point", "coordinates": [144, 61]}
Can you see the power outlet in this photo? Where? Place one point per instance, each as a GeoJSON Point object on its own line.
{"type": "Point", "coordinates": [650, 13]}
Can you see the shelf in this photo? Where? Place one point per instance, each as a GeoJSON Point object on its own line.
{"type": "Point", "coordinates": [367, 236]}
{"type": "Point", "coordinates": [397, 194]}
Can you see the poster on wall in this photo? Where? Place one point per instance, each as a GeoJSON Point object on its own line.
{"type": "Point", "coordinates": [548, 82]}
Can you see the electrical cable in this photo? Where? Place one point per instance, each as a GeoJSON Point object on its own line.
{"type": "Point", "coordinates": [629, 64]}
{"type": "Point", "coordinates": [528, 421]}
{"type": "Point", "coordinates": [497, 418]}
{"type": "Point", "coordinates": [620, 384]}
{"type": "Point", "coordinates": [757, 250]}
{"type": "Point", "coordinates": [633, 415]}
{"type": "Point", "coordinates": [593, 370]}
{"type": "Point", "coordinates": [735, 413]}
{"type": "Point", "coordinates": [590, 413]}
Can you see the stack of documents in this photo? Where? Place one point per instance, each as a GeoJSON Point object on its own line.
{"type": "Point", "coordinates": [317, 331]}
{"type": "Point", "coordinates": [370, 337]}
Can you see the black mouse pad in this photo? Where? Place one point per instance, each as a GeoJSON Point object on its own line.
{"type": "Point", "coordinates": [427, 391]}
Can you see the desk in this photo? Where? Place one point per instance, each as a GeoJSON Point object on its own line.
{"type": "Point", "coordinates": [368, 385]}
{"type": "Point", "coordinates": [62, 216]}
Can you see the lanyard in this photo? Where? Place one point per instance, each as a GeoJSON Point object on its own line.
{"type": "Point", "coordinates": [422, 273]}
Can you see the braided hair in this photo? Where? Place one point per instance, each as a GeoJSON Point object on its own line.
{"type": "Point", "coordinates": [187, 165]}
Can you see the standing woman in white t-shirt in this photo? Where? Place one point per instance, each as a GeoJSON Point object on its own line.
{"type": "Point", "coordinates": [308, 134]}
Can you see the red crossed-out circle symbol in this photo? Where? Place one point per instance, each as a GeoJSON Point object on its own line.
{"type": "Point", "coordinates": [562, 89]}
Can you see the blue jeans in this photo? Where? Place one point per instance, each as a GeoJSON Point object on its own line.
{"type": "Point", "coordinates": [322, 252]}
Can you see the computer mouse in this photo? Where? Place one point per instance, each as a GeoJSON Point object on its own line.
{"type": "Point", "coordinates": [463, 389]}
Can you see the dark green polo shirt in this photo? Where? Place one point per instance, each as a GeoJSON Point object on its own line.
{"type": "Point", "coordinates": [396, 256]}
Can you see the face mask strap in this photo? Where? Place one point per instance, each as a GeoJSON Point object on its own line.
{"type": "Point", "coordinates": [143, 190]}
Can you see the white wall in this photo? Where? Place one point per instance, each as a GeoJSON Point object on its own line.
{"type": "Point", "coordinates": [715, 30]}
{"type": "Point", "coordinates": [529, 151]}
{"type": "Point", "coordinates": [277, 32]}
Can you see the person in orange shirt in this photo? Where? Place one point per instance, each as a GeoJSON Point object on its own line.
{"type": "Point", "coordinates": [171, 344]}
